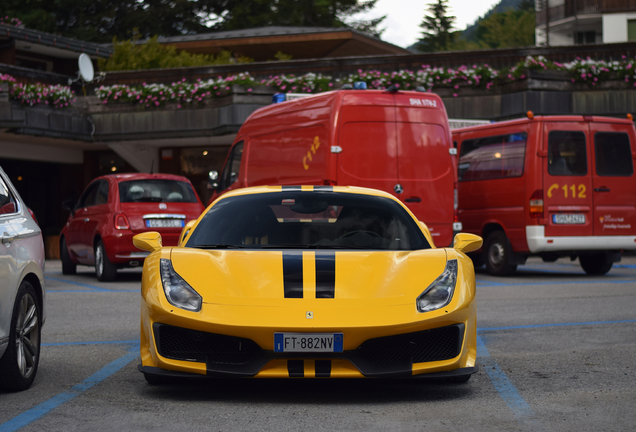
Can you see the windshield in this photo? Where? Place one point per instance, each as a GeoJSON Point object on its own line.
{"type": "Point", "coordinates": [320, 220]}
{"type": "Point", "coordinates": [154, 190]}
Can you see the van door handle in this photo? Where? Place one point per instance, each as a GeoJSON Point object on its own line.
{"type": "Point", "coordinates": [601, 189]}
{"type": "Point", "coordinates": [413, 199]}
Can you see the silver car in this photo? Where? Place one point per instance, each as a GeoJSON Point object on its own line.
{"type": "Point", "coordinates": [22, 290]}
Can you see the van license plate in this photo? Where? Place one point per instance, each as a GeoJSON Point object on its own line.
{"type": "Point", "coordinates": [577, 218]}
{"type": "Point", "coordinates": [308, 342]}
{"type": "Point", "coordinates": [164, 223]}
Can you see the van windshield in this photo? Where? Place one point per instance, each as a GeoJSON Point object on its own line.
{"type": "Point", "coordinates": [318, 220]}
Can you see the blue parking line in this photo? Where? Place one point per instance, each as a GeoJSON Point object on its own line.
{"type": "Point", "coordinates": [76, 283]}
{"type": "Point", "coordinates": [487, 329]}
{"type": "Point", "coordinates": [520, 408]}
{"type": "Point", "coordinates": [89, 291]}
{"type": "Point", "coordinates": [45, 407]}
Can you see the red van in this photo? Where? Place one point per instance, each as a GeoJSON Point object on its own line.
{"type": "Point", "coordinates": [550, 186]}
{"type": "Point", "coordinates": [395, 141]}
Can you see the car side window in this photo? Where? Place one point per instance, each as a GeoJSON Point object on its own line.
{"type": "Point", "coordinates": [567, 153]}
{"type": "Point", "coordinates": [102, 193]}
{"type": "Point", "coordinates": [493, 157]}
{"type": "Point", "coordinates": [89, 196]}
{"type": "Point", "coordinates": [613, 154]}
{"type": "Point", "coordinates": [231, 171]}
{"type": "Point", "coordinates": [8, 203]}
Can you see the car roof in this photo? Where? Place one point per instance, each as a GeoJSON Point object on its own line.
{"type": "Point", "coordinates": [143, 176]}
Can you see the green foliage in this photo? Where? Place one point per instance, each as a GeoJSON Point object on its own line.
{"type": "Point", "coordinates": [437, 25]}
{"type": "Point", "coordinates": [101, 20]}
{"type": "Point", "coordinates": [280, 56]}
{"type": "Point", "coordinates": [512, 28]}
{"type": "Point", "coordinates": [131, 55]}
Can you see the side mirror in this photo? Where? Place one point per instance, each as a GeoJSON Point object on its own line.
{"type": "Point", "coordinates": [186, 230]}
{"type": "Point", "coordinates": [69, 205]}
{"type": "Point", "coordinates": [213, 177]}
{"type": "Point", "coordinates": [465, 242]}
{"type": "Point", "coordinates": [149, 241]}
{"type": "Point", "coordinates": [427, 233]}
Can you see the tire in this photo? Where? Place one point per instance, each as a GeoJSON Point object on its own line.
{"type": "Point", "coordinates": [68, 266]}
{"type": "Point", "coordinates": [498, 255]}
{"type": "Point", "coordinates": [596, 263]}
{"type": "Point", "coordinates": [19, 364]}
{"type": "Point", "coordinates": [104, 269]}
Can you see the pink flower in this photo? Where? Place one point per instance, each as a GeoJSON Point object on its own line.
{"type": "Point", "coordinates": [454, 94]}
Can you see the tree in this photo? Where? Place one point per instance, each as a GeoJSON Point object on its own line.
{"type": "Point", "coordinates": [437, 25]}
{"type": "Point", "coordinates": [241, 14]}
{"type": "Point", "coordinates": [101, 20]}
{"type": "Point", "coordinates": [496, 32]}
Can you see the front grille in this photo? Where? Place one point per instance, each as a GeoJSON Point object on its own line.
{"type": "Point", "coordinates": [430, 345]}
{"type": "Point", "coordinates": [185, 344]}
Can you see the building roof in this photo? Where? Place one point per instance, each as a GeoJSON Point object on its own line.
{"type": "Point", "coordinates": [38, 42]}
{"type": "Point", "coordinates": [263, 43]}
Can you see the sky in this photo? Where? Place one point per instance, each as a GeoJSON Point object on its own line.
{"type": "Point", "coordinates": [404, 17]}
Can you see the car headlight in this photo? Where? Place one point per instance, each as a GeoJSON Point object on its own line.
{"type": "Point", "coordinates": [178, 292]}
{"type": "Point", "coordinates": [440, 292]}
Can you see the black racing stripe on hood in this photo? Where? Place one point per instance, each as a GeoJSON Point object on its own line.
{"type": "Point", "coordinates": [325, 274]}
{"type": "Point", "coordinates": [293, 274]}
{"type": "Point", "coordinates": [323, 188]}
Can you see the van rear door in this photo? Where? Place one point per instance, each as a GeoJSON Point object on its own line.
{"type": "Point", "coordinates": [367, 138]}
{"type": "Point", "coordinates": [426, 170]}
{"type": "Point", "coordinates": [567, 179]}
{"type": "Point", "coordinates": [613, 180]}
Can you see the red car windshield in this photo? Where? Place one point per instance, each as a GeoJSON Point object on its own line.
{"type": "Point", "coordinates": [156, 190]}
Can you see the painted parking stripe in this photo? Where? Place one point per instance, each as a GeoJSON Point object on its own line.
{"type": "Point", "coordinates": [76, 283]}
{"type": "Point", "coordinates": [123, 342]}
{"type": "Point", "coordinates": [520, 408]}
{"type": "Point", "coordinates": [484, 283]}
{"type": "Point", "coordinates": [588, 323]}
{"type": "Point", "coordinates": [45, 407]}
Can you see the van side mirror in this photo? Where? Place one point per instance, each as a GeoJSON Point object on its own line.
{"type": "Point", "coordinates": [213, 179]}
{"type": "Point", "coordinates": [149, 241]}
{"type": "Point", "coordinates": [69, 205]}
{"type": "Point", "coordinates": [186, 230]}
{"type": "Point", "coordinates": [465, 242]}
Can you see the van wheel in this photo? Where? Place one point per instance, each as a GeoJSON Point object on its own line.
{"type": "Point", "coordinates": [596, 263]}
{"type": "Point", "coordinates": [498, 255]}
{"type": "Point", "coordinates": [104, 269]}
{"type": "Point", "coordinates": [68, 267]}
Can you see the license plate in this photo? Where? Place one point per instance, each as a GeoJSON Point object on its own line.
{"type": "Point", "coordinates": [164, 223]}
{"type": "Point", "coordinates": [308, 342]}
{"type": "Point", "coordinates": [577, 218]}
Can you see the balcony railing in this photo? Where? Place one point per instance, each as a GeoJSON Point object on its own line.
{"type": "Point", "coordinates": [582, 7]}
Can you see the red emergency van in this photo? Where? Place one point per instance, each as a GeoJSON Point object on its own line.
{"type": "Point", "coordinates": [550, 186]}
{"type": "Point", "coordinates": [395, 141]}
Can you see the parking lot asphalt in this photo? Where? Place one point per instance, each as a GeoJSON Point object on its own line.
{"type": "Point", "coordinates": [556, 350]}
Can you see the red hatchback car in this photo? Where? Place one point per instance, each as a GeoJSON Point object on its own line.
{"type": "Point", "coordinates": [113, 209]}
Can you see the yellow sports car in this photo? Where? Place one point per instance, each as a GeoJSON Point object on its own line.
{"type": "Point", "coordinates": [307, 281]}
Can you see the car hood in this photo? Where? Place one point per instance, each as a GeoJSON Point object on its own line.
{"type": "Point", "coordinates": [271, 277]}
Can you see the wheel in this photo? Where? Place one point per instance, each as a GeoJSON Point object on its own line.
{"type": "Point", "coordinates": [68, 266]}
{"type": "Point", "coordinates": [104, 269]}
{"type": "Point", "coordinates": [498, 255]}
{"type": "Point", "coordinates": [597, 263]}
{"type": "Point", "coordinates": [19, 363]}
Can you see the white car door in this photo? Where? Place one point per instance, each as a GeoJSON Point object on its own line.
{"type": "Point", "coordinates": [8, 260]}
